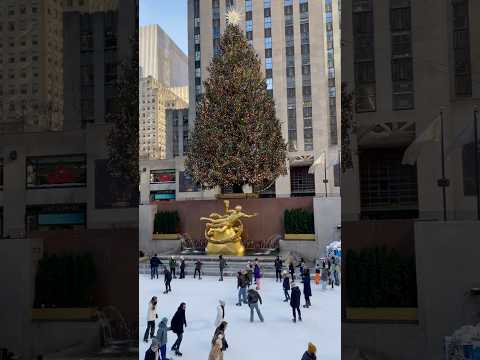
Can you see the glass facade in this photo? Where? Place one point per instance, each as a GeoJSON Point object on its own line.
{"type": "Point", "coordinates": [216, 26]}
{"type": "Point", "coordinates": [332, 92]}
{"type": "Point", "coordinates": [249, 21]}
{"type": "Point", "coordinates": [290, 72]}
{"type": "Point", "coordinates": [267, 25]}
{"type": "Point", "coordinates": [306, 76]}
{"type": "Point", "coordinates": [461, 48]}
{"type": "Point", "coordinates": [196, 39]}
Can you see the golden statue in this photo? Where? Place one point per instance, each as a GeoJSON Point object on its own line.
{"type": "Point", "coordinates": [224, 232]}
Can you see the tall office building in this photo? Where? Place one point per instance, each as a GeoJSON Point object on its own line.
{"type": "Point", "coordinates": [154, 100]}
{"type": "Point", "coordinates": [31, 59]}
{"type": "Point", "coordinates": [297, 42]}
{"type": "Point", "coordinates": [402, 75]}
{"type": "Point", "coordinates": [161, 58]}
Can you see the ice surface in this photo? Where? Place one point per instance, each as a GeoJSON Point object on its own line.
{"type": "Point", "coordinates": [278, 338]}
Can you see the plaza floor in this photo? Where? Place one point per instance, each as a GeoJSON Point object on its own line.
{"type": "Point", "coordinates": [277, 338]}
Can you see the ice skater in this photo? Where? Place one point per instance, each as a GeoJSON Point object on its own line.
{"type": "Point", "coordinates": [278, 268]}
{"type": "Point", "coordinates": [154, 264]}
{"type": "Point", "coordinates": [301, 266]}
{"type": "Point", "coordinates": [219, 342]}
{"type": "Point", "coordinates": [307, 289]}
{"type": "Point", "coordinates": [198, 270]}
{"type": "Point", "coordinates": [242, 282]}
{"type": "Point", "coordinates": [310, 354]}
{"type": "Point", "coordinates": [256, 271]}
{"type": "Point", "coordinates": [178, 322]}
{"type": "Point", "coordinates": [221, 264]}
{"type": "Point", "coordinates": [167, 279]}
{"type": "Point", "coordinates": [324, 278]}
{"type": "Point", "coordinates": [249, 273]}
{"type": "Point", "coordinates": [173, 264]}
{"type": "Point", "coordinates": [161, 338]}
{"type": "Point", "coordinates": [182, 268]}
{"type": "Point", "coordinates": [253, 298]}
{"type": "Point", "coordinates": [291, 269]}
{"type": "Point", "coordinates": [295, 302]}
{"type": "Point", "coordinates": [220, 313]}
{"type": "Point", "coordinates": [151, 316]}
{"type": "Point", "coordinates": [152, 351]}
{"type": "Point", "coordinates": [286, 286]}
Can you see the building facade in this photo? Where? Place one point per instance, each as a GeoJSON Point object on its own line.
{"type": "Point", "coordinates": [296, 47]}
{"type": "Point", "coordinates": [31, 60]}
{"type": "Point", "coordinates": [154, 100]}
{"type": "Point", "coordinates": [161, 58]}
{"type": "Point", "coordinates": [403, 76]}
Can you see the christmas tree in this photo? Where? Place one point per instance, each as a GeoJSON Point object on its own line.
{"type": "Point", "coordinates": [237, 138]}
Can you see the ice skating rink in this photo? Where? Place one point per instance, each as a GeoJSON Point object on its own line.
{"type": "Point", "coordinates": [277, 338]}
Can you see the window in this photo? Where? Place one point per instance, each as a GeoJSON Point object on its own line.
{"type": "Point", "coordinates": [186, 183]}
{"type": "Point", "coordinates": [461, 48]}
{"type": "Point", "coordinates": [54, 217]}
{"type": "Point", "coordinates": [55, 171]}
{"type": "Point", "coordinates": [164, 176]}
{"type": "Point", "coordinates": [269, 82]}
{"type": "Point", "coordinates": [301, 182]}
{"type": "Point", "coordinates": [268, 43]}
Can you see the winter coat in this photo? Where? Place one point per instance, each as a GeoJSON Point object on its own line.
{"type": "Point", "coordinates": [155, 261]}
{"type": "Point", "coordinates": [222, 264]}
{"type": "Point", "coordinates": [295, 297]}
{"type": "Point", "coordinates": [162, 334]}
{"type": "Point", "coordinates": [253, 297]}
{"type": "Point", "coordinates": [220, 315]}
{"type": "Point", "coordinates": [172, 263]}
{"type": "Point", "coordinates": [278, 264]}
{"type": "Point", "coordinates": [178, 321]}
{"type": "Point", "coordinates": [241, 281]}
{"type": "Point", "coordinates": [307, 290]}
{"type": "Point", "coordinates": [198, 265]}
{"type": "Point", "coordinates": [216, 351]}
{"type": "Point", "coordinates": [256, 271]}
{"type": "Point", "coordinates": [286, 283]}
{"type": "Point", "coordinates": [168, 275]}
{"type": "Point", "coordinates": [291, 268]}
{"type": "Point", "coordinates": [150, 354]}
{"type": "Point", "coordinates": [324, 275]}
{"type": "Point", "coordinates": [309, 356]}
{"type": "Point", "coordinates": [182, 265]}
{"type": "Point", "coordinates": [151, 312]}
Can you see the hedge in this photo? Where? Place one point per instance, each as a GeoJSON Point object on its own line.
{"type": "Point", "coordinates": [166, 222]}
{"type": "Point", "coordinates": [65, 281]}
{"type": "Point", "coordinates": [377, 277]}
{"type": "Point", "coordinates": [298, 221]}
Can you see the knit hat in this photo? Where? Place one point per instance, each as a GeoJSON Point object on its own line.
{"type": "Point", "coordinates": [312, 349]}
{"type": "Point", "coordinates": [155, 342]}
{"type": "Point", "coordinates": [221, 302]}
{"type": "Point", "coordinates": [164, 320]}
{"type": "Point", "coordinates": [293, 284]}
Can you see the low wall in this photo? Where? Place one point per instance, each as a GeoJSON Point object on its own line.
{"type": "Point", "coordinates": [268, 223]}
{"type": "Point", "coordinates": [327, 212]}
{"type": "Point", "coordinates": [115, 254]}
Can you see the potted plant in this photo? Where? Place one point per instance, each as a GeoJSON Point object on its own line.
{"type": "Point", "coordinates": [299, 224]}
{"type": "Point", "coordinates": [166, 225]}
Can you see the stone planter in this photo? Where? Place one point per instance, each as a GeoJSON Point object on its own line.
{"type": "Point", "coordinates": [237, 196]}
{"type": "Point", "coordinates": [305, 237]}
{"type": "Point", "coordinates": [387, 314]}
{"type": "Point", "coordinates": [64, 314]}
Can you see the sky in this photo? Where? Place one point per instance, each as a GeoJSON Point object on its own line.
{"type": "Point", "coordinates": [171, 15]}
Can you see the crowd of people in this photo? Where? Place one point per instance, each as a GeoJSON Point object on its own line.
{"type": "Point", "coordinates": [327, 274]}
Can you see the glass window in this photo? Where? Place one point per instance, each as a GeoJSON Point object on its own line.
{"type": "Point", "coordinates": [268, 43]}
{"type": "Point", "coordinates": [56, 171]}
{"type": "Point", "coordinates": [268, 63]}
{"type": "Point", "coordinates": [269, 82]}
{"type": "Point", "coordinates": [249, 25]}
{"type": "Point", "coordinates": [163, 176]}
{"type": "Point", "coordinates": [268, 22]}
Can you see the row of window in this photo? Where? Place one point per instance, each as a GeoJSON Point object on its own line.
{"type": "Point", "coordinates": [332, 91]}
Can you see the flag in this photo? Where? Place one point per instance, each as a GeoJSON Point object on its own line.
{"type": "Point", "coordinates": [320, 161]}
{"type": "Point", "coordinates": [430, 135]}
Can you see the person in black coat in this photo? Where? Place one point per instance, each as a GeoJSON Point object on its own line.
{"type": "Point", "coordinates": [178, 322]}
{"type": "Point", "coordinates": [168, 280]}
{"type": "Point", "coordinates": [182, 268]}
{"type": "Point", "coordinates": [278, 269]}
{"type": "Point", "coordinates": [152, 351]}
{"type": "Point", "coordinates": [198, 270]}
{"type": "Point", "coordinates": [291, 269]}
{"type": "Point", "coordinates": [295, 302]}
{"type": "Point", "coordinates": [286, 286]}
{"type": "Point", "coordinates": [307, 290]}
{"type": "Point", "coordinates": [154, 263]}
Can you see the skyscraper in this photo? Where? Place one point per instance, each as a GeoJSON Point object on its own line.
{"type": "Point", "coordinates": [297, 48]}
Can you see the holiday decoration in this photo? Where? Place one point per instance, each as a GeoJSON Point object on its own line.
{"type": "Point", "coordinates": [237, 138]}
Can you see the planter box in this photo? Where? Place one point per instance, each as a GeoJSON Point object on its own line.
{"type": "Point", "coordinates": [64, 314]}
{"type": "Point", "coordinates": [165, 236]}
{"type": "Point", "coordinates": [299, 237]}
{"type": "Point", "coordinates": [382, 314]}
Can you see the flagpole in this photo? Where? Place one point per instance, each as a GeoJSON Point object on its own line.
{"type": "Point", "coordinates": [477, 173]}
{"type": "Point", "coordinates": [325, 180]}
{"type": "Point", "coordinates": [443, 182]}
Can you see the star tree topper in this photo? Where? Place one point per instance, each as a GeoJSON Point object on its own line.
{"type": "Point", "coordinates": [233, 16]}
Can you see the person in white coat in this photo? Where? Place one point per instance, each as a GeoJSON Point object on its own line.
{"type": "Point", "coordinates": [220, 313]}
{"type": "Point", "coordinates": [151, 316]}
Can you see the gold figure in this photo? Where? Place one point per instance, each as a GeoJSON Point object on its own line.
{"type": "Point", "coordinates": [224, 232]}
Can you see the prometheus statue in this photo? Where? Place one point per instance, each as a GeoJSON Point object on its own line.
{"type": "Point", "coordinates": [224, 232]}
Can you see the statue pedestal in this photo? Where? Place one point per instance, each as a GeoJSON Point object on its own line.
{"type": "Point", "coordinates": [232, 248]}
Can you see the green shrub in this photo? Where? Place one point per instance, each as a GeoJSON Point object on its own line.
{"type": "Point", "coordinates": [65, 281]}
{"type": "Point", "coordinates": [166, 222]}
{"type": "Point", "coordinates": [298, 221]}
{"type": "Point", "coordinates": [377, 277]}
